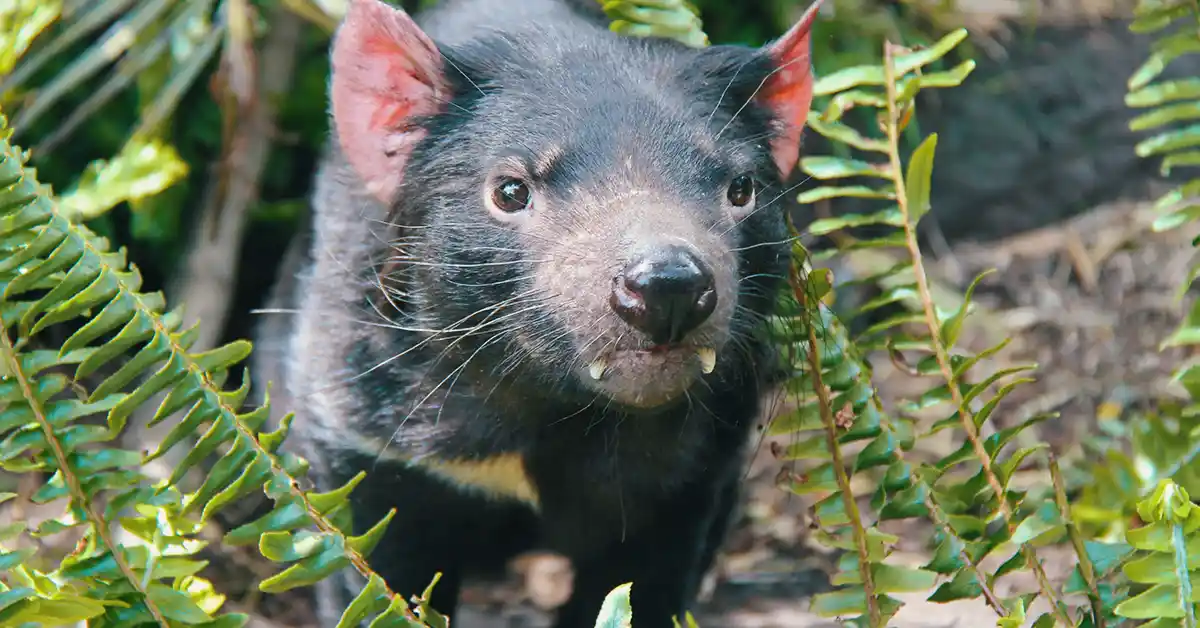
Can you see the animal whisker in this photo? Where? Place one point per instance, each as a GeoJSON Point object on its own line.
{"type": "Point", "coordinates": [434, 335]}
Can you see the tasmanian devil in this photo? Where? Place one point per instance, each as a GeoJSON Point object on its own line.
{"type": "Point", "coordinates": [529, 302]}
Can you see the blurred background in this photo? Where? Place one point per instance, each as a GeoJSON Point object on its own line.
{"type": "Point", "coordinates": [187, 131]}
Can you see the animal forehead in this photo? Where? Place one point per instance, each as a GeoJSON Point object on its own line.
{"type": "Point", "coordinates": [628, 121]}
{"type": "Point", "coordinates": [618, 144]}
{"type": "Point", "coordinates": [593, 70]}
{"type": "Point", "coordinates": [603, 106]}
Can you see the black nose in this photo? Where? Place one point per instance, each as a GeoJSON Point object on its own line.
{"type": "Point", "coordinates": [665, 294]}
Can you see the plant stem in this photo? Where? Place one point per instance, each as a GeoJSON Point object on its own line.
{"type": "Point", "coordinates": [931, 320]}
{"type": "Point", "coordinates": [74, 486]}
{"type": "Point", "coordinates": [839, 470]}
{"type": "Point", "coordinates": [1179, 544]}
{"type": "Point", "coordinates": [1086, 569]}
{"type": "Point", "coordinates": [989, 596]}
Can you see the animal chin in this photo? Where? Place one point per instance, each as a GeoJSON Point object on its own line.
{"type": "Point", "coordinates": [649, 377]}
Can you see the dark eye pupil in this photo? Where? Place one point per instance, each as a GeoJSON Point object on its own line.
{"type": "Point", "coordinates": [512, 195]}
{"type": "Point", "coordinates": [741, 191]}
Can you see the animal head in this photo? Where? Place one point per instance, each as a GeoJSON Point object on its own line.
{"type": "Point", "coordinates": [582, 214]}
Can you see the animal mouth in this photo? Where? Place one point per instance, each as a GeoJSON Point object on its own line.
{"type": "Point", "coordinates": [705, 356]}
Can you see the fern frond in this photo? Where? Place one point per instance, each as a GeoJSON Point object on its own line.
{"type": "Point", "coordinates": [55, 272]}
{"type": "Point", "coordinates": [1170, 102]}
{"type": "Point", "coordinates": [1153, 485]}
{"type": "Point", "coordinates": [967, 494]}
{"type": "Point", "coordinates": [45, 431]}
{"type": "Point", "coordinates": [846, 409]}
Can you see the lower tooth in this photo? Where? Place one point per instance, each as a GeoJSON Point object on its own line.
{"type": "Point", "coordinates": [708, 359]}
{"type": "Point", "coordinates": [596, 369]}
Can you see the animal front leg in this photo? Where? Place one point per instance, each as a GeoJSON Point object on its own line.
{"type": "Point", "coordinates": [724, 514]}
{"type": "Point", "coordinates": [664, 561]}
{"type": "Point", "coordinates": [425, 537]}
{"type": "Point", "coordinates": [439, 527]}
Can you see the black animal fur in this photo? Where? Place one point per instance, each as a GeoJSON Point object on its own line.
{"type": "Point", "coordinates": [629, 494]}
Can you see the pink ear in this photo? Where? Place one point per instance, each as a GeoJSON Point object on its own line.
{"type": "Point", "coordinates": [385, 70]}
{"type": "Point", "coordinates": [788, 91]}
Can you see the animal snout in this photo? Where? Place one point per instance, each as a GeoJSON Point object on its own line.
{"type": "Point", "coordinates": [665, 294]}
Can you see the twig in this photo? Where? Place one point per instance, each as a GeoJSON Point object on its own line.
{"type": "Point", "coordinates": [1081, 259]}
{"type": "Point", "coordinates": [206, 285]}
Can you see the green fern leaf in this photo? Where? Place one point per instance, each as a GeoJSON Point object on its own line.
{"type": "Point", "coordinates": [134, 350]}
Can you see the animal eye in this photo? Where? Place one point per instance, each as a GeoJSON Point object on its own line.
{"type": "Point", "coordinates": [741, 190]}
{"type": "Point", "coordinates": [511, 195]}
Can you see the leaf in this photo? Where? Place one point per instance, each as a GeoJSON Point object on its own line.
{"type": "Point", "coordinates": [849, 191]}
{"type": "Point", "coordinates": [1181, 159]}
{"type": "Point", "coordinates": [824, 167]}
{"type": "Point", "coordinates": [950, 78]}
{"type": "Point", "coordinates": [897, 579]}
{"type": "Point", "coordinates": [176, 605]}
{"type": "Point", "coordinates": [1174, 140]}
{"type": "Point", "coordinates": [142, 169]}
{"type": "Point", "coordinates": [879, 451]}
{"type": "Point", "coordinates": [820, 283]}
{"type": "Point", "coordinates": [963, 586]}
{"type": "Point", "coordinates": [1166, 115]}
{"type": "Point", "coordinates": [1106, 556]}
{"type": "Point", "coordinates": [845, 134]}
{"type": "Point", "coordinates": [847, 601]}
{"type": "Point", "coordinates": [846, 78]}
{"type": "Point", "coordinates": [54, 611]}
{"type": "Point", "coordinates": [918, 180]}
{"type": "Point", "coordinates": [23, 21]}
{"type": "Point", "coordinates": [615, 611]}
{"type": "Point", "coordinates": [673, 19]}
{"type": "Point", "coordinates": [1165, 92]}
{"type": "Point", "coordinates": [890, 216]}
{"type": "Point", "coordinates": [1038, 524]}
{"type": "Point", "coordinates": [1166, 50]}
{"type": "Point", "coordinates": [1159, 601]}
{"type": "Point", "coordinates": [318, 556]}
{"type": "Point", "coordinates": [847, 100]}
{"type": "Point", "coordinates": [1151, 17]}
{"type": "Point", "coordinates": [371, 600]}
